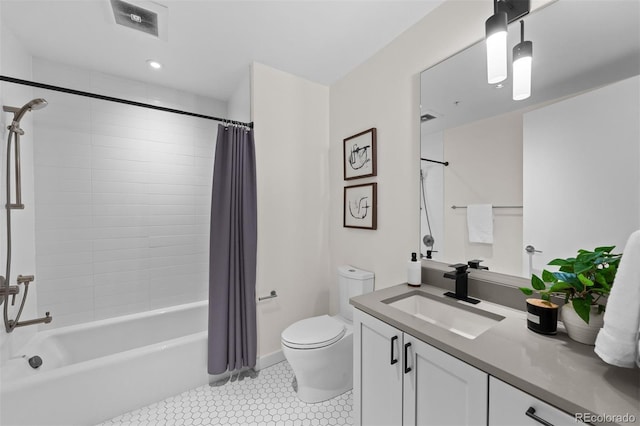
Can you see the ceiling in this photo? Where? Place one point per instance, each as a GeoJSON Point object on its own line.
{"type": "Point", "coordinates": [210, 43]}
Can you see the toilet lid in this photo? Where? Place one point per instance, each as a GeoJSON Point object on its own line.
{"type": "Point", "coordinates": [312, 333]}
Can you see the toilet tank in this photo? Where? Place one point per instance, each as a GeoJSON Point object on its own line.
{"type": "Point", "coordinates": [352, 282]}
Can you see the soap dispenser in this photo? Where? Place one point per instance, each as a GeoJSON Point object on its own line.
{"type": "Point", "coordinates": [414, 271]}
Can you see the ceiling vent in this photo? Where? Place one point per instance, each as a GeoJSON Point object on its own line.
{"type": "Point", "coordinates": [145, 16]}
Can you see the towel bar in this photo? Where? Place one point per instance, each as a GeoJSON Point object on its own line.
{"type": "Point", "coordinates": [270, 296]}
{"type": "Point", "coordinates": [495, 207]}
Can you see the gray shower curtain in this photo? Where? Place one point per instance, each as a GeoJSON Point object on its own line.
{"type": "Point", "coordinates": [232, 253]}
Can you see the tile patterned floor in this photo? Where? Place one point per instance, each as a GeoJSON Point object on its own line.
{"type": "Point", "coordinates": [267, 399]}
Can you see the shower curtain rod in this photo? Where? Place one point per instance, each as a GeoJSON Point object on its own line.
{"type": "Point", "coordinates": [119, 100]}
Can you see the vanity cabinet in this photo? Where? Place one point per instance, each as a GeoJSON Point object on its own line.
{"type": "Point", "coordinates": [509, 406]}
{"type": "Point", "coordinates": [400, 380]}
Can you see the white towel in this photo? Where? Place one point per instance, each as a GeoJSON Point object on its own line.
{"type": "Point", "coordinates": [480, 223]}
{"type": "Point", "coordinates": [617, 341]}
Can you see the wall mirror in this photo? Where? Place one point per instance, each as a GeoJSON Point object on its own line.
{"type": "Point", "coordinates": [561, 169]}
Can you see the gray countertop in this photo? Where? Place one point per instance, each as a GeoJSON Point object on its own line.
{"type": "Point", "coordinates": [555, 369]}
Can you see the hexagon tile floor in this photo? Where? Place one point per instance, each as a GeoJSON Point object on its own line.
{"type": "Point", "coordinates": [268, 399]}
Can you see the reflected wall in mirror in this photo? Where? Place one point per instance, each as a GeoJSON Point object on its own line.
{"type": "Point", "coordinates": [561, 168]}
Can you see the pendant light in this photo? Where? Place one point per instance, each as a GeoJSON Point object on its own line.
{"type": "Point", "coordinates": [496, 39]}
{"type": "Point", "coordinates": [522, 59]}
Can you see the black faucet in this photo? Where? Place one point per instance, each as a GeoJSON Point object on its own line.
{"type": "Point", "coordinates": [475, 264]}
{"type": "Point", "coordinates": [462, 284]}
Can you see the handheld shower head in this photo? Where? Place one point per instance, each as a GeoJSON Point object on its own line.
{"type": "Point", "coordinates": [34, 104]}
{"type": "Point", "coordinates": [18, 113]}
{"type": "Point", "coordinates": [38, 103]}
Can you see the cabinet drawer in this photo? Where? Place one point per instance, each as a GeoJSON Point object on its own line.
{"type": "Point", "coordinates": [508, 406]}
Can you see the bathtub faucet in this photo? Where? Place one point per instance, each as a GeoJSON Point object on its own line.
{"type": "Point", "coordinates": [5, 291]}
{"type": "Point", "coordinates": [46, 319]}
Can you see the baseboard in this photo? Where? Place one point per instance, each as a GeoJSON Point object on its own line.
{"type": "Point", "coordinates": [268, 360]}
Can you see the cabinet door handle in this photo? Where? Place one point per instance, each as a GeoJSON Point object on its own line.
{"type": "Point", "coordinates": [406, 352]}
{"type": "Point", "coordinates": [531, 412]}
{"type": "Point", "coordinates": [393, 360]}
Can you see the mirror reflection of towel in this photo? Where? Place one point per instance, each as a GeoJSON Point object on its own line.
{"type": "Point", "coordinates": [480, 223]}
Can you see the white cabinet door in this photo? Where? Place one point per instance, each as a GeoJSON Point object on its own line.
{"type": "Point", "coordinates": [377, 364]}
{"type": "Point", "coordinates": [508, 406]}
{"type": "Point", "coordinates": [440, 389]}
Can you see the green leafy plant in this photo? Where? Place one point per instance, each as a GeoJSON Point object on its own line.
{"type": "Point", "coordinates": [583, 279]}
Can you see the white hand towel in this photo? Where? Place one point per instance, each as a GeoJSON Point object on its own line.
{"type": "Point", "coordinates": [480, 223]}
{"type": "Point", "coordinates": [617, 341]}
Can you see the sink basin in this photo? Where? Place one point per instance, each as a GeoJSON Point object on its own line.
{"type": "Point", "coordinates": [457, 317]}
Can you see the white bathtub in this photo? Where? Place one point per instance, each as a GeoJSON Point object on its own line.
{"type": "Point", "coordinates": [95, 371]}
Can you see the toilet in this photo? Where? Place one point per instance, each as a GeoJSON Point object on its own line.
{"type": "Point", "coordinates": [320, 349]}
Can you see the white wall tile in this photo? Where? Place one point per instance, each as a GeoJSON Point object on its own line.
{"type": "Point", "coordinates": [168, 209]}
{"type": "Point", "coordinates": [63, 198]}
{"type": "Point", "coordinates": [59, 235]}
{"type": "Point", "coordinates": [121, 210]}
{"type": "Point", "coordinates": [62, 247]}
{"type": "Point", "coordinates": [61, 209]}
{"type": "Point", "coordinates": [48, 272]}
{"type": "Point", "coordinates": [118, 87]}
{"type": "Point", "coordinates": [60, 74]}
{"type": "Point", "coordinates": [60, 296]}
{"type": "Point", "coordinates": [122, 296]}
{"type": "Point", "coordinates": [45, 222]}
{"type": "Point", "coordinates": [165, 241]}
{"type": "Point", "coordinates": [62, 284]}
{"type": "Point", "coordinates": [65, 185]}
{"type": "Point", "coordinates": [105, 267]}
{"type": "Point", "coordinates": [62, 258]}
{"type": "Point", "coordinates": [121, 278]}
{"type": "Point", "coordinates": [122, 197]}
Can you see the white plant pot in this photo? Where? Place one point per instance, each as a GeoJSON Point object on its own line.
{"type": "Point", "coordinates": [579, 330]}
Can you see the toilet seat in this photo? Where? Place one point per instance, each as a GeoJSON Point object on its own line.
{"type": "Point", "coordinates": [313, 333]}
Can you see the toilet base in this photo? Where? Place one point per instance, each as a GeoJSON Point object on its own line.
{"type": "Point", "coordinates": [322, 373]}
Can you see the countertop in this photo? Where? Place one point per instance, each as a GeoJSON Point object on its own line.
{"type": "Point", "coordinates": [555, 369]}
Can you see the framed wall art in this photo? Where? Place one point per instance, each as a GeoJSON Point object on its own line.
{"type": "Point", "coordinates": [360, 206]}
{"type": "Point", "coordinates": [360, 155]}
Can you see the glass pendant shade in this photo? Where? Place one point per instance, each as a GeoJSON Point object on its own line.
{"type": "Point", "coordinates": [496, 39]}
{"type": "Point", "coordinates": [522, 59]}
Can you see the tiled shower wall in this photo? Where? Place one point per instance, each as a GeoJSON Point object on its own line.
{"type": "Point", "coordinates": [122, 197]}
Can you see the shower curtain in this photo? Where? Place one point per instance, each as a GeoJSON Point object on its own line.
{"type": "Point", "coordinates": [232, 253]}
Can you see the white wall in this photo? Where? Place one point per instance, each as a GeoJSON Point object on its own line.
{"type": "Point", "coordinates": [384, 93]}
{"type": "Point", "coordinates": [582, 172]}
{"type": "Point", "coordinates": [15, 61]}
{"type": "Point", "coordinates": [122, 197]}
{"type": "Point", "coordinates": [485, 167]}
{"type": "Point", "coordinates": [291, 117]}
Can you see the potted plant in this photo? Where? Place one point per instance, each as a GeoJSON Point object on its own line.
{"type": "Point", "coordinates": [582, 280]}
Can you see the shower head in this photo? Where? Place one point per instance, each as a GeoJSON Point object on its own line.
{"type": "Point", "coordinates": [34, 104]}
{"type": "Point", "coordinates": [38, 103]}
{"type": "Point", "coordinates": [428, 240]}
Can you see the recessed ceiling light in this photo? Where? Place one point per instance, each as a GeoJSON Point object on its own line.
{"type": "Point", "coordinates": [154, 64]}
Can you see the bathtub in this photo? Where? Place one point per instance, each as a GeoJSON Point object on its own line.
{"type": "Point", "coordinates": [95, 371]}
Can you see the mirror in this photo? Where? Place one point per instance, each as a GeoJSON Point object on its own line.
{"type": "Point", "coordinates": [560, 170]}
